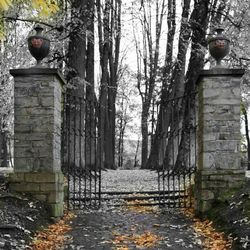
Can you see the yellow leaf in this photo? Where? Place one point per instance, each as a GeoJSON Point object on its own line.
{"type": "Point", "coordinates": [45, 7]}
{"type": "Point", "coordinates": [5, 4]}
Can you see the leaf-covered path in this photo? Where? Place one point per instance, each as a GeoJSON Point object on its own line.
{"type": "Point", "coordinates": [131, 228]}
{"type": "Point", "coordinates": [125, 229]}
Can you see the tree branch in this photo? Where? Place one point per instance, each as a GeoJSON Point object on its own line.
{"type": "Point", "coordinates": [58, 28]}
{"type": "Point", "coordinates": [237, 25]}
{"type": "Point", "coordinates": [27, 20]}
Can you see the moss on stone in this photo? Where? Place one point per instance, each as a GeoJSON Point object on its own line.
{"type": "Point", "coordinates": [231, 214]}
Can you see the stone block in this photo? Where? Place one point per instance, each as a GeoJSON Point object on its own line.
{"type": "Point", "coordinates": [236, 109]}
{"type": "Point", "coordinates": [42, 128]}
{"type": "Point", "coordinates": [33, 119]}
{"type": "Point", "coordinates": [48, 101]}
{"type": "Point", "coordinates": [207, 195]}
{"type": "Point", "coordinates": [219, 177]}
{"type": "Point", "coordinates": [209, 93]}
{"type": "Point", "coordinates": [220, 82]}
{"type": "Point", "coordinates": [222, 172]}
{"type": "Point", "coordinates": [37, 164]}
{"type": "Point", "coordinates": [56, 197]}
{"type": "Point", "coordinates": [60, 177]}
{"type": "Point", "coordinates": [211, 136]}
{"type": "Point", "coordinates": [43, 164]}
{"type": "Point", "coordinates": [56, 210]}
{"type": "Point", "coordinates": [24, 152]}
{"type": "Point", "coordinates": [221, 145]}
{"type": "Point", "coordinates": [16, 177]}
{"type": "Point", "coordinates": [20, 137]}
{"type": "Point", "coordinates": [40, 197]}
{"type": "Point", "coordinates": [205, 206]}
{"type": "Point", "coordinates": [22, 144]}
{"type": "Point", "coordinates": [42, 143]}
{"type": "Point", "coordinates": [227, 160]}
{"type": "Point", "coordinates": [24, 187]}
{"type": "Point", "coordinates": [220, 160]}
{"type": "Point", "coordinates": [51, 187]}
{"type": "Point", "coordinates": [236, 183]}
{"type": "Point", "coordinates": [229, 136]}
{"type": "Point", "coordinates": [41, 177]}
{"type": "Point", "coordinates": [205, 177]}
{"type": "Point", "coordinates": [34, 111]}
{"type": "Point", "coordinates": [48, 187]}
{"type": "Point", "coordinates": [213, 185]}
{"type": "Point", "coordinates": [22, 102]}
{"type": "Point", "coordinates": [219, 117]}
{"type": "Point", "coordinates": [229, 178]}
{"type": "Point", "coordinates": [23, 164]}
{"type": "Point", "coordinates": [22, 128]}
{"type": "Point", "coordinates": [208, 160]}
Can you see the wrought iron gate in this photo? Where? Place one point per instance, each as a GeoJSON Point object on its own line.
{"type": "Point", "coordinates": [176, 171]}
{"type": "Point", "coordinates": [81, 162]}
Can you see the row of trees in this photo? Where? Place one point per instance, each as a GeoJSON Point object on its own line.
{"type": "Point", "coordinates": [169, 38]}
{"type": "Point", "coordinates": [185, 55]}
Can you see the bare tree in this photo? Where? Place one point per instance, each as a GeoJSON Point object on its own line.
{"type": "Point", "coordinates": [109, 30]}
{"type": "Point", "coordinates": [148, 62]}
{"type": "Point", "coordinates": [193, 26]}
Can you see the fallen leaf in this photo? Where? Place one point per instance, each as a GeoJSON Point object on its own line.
{"type": "Point", "coordinates": [53, 237]}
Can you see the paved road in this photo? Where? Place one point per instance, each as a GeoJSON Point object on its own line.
{"type": "Point", "coordinates": [97, 230]}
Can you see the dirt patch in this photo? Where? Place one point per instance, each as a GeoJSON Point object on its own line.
{"type": "Point", "coordinates": [20, 218]}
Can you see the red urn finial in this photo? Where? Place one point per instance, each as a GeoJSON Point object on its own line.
{"type": "Point", "coordinates": [39, 45]}
{"type": "Point", "coordinates": [218, 46]}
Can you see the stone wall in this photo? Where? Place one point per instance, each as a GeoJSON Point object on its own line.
{"type": "Point", "coordinates": [37, 136]}
{"type": "Point", "coordinates": [219, 160]}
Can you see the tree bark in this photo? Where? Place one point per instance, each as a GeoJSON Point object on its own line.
{"type": "Point", "coordinates": [76, 64]}
{"type": "Point", "coordinates": [109, 28]}
{"type": "Point", "coordinates": [77, 41]}
{"type": "Point", "coordinates": [91, 122]}
{"type": "Point", "coordinates": [150, 59]}
{"type": "Point", "coordinates": [244, 111]}
{"type": "Point", "coordinates": [199, 24]}
{"type": "Point", "coordinates": [173, 86]}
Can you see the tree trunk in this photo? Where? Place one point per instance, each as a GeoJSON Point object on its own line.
{"type": "Point", "coordinates": [244, 111]}
{"type": "Point", "coordinates": [109, 45]}
{"type": "Point", "coordinates": [171, 87]}
{"type": "Point", "coordinates": [76, 64]}
{"type": "Point", "coordinates": [150, 59]}
{"type": "Point", "coordinates": [4, 154]}
{"type": "Point", "coordinates": [77, 41]}
{"type": "Point", "coordinates": [91, 122]}
{"type": "Point", "coordinates": [144, 132]}
{"type": "Point", "coordinates": [199, 24]}
{"type": "Point", "coordinates": [136, 152]}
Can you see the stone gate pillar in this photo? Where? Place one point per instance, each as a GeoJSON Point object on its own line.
{"type": "Point", "coordinates": [37, 133]}
{"type": "Point", "coordinates": [219, 160]}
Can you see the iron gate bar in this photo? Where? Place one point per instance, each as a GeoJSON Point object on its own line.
{"type": "Point", "coordinates": [81, 157]}
{"type": "Point", "coordinates": [179, 163]}
{"type": "Point", "coordinates": [79, 151]}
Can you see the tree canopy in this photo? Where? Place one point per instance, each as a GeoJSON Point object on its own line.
{"type": "Point", "coordinates": [43, 7]}
{"type": "Point", "coordinates": [38, 8]}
